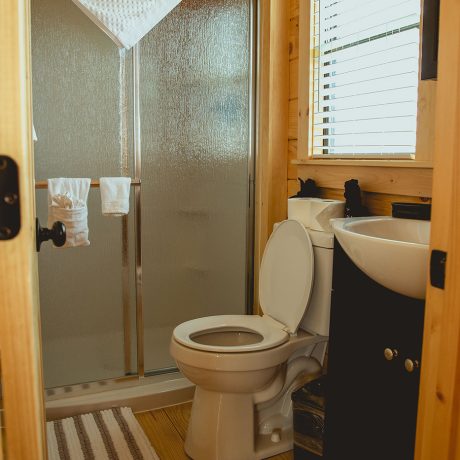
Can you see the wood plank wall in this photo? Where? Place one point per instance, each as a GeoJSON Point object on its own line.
{"type": "Point", "coordinates": [272, 145]}
{"type": "Point", "coordinates": [376, 181]}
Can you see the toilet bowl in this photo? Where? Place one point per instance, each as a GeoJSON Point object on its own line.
{"type": "Point", "coordinates": [245, 367]}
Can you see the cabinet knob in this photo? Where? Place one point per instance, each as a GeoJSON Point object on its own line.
{"type": "Point", "coordinates": [411, 365]}
{"type": "Point", "coordinates": [390, 354]}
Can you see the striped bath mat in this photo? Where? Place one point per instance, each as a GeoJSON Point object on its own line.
{"type": "Point", "coordinates": [112, 434]}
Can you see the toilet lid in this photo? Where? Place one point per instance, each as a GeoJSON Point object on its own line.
{"type": "Point", "coordinates": [286, 274]}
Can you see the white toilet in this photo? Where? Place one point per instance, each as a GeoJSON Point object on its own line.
{"type": "Point", "coordinates": [246, 366]}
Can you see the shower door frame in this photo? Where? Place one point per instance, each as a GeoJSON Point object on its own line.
{"type": "Point", "coordinates": [132, 377]}
{"type": "Point", "coordinates": [137, 166]}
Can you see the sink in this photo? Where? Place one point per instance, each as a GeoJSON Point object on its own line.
{"type": "Point", "coordinates": [393, 252]}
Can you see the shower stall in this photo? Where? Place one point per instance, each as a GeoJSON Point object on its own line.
{"type": "Point", "coordinates": [176, 114]}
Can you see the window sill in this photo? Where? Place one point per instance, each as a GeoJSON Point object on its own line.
{"type": "Point", "coordinates": [364, 162]}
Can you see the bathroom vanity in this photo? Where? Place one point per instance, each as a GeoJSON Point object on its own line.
{"type": "Point", "coordinates": [373, 368]}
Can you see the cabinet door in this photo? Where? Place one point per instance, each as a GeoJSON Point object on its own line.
{"type": "Point", "coordinates": [408, 327]}
{"type": "Point", "coordinates": [371, 402]}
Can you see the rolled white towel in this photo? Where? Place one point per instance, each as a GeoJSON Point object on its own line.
{"type": "Point", "coordinates": [67, 199]}
{"type": "Point", "coordinates": [115, 195]}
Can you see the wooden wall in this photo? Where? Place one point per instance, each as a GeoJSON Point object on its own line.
{"type": "Point", "coordinates": [272, 142]}
{"type": "Point", "coordinates": [381, 185]}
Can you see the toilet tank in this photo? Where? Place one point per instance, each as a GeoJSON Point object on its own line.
{"type": "Point", "coordinates": [316, 318]}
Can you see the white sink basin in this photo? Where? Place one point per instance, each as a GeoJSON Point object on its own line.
{"type": "Point", "coordinates": [393, 252]}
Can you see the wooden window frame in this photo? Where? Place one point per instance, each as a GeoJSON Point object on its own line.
{"type": "Point", "coordinates": [404, 177]}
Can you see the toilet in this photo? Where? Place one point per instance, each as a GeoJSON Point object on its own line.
{"type": "Point", "coordinates": [245, 367]}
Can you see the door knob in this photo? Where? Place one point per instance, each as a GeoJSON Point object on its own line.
{"type": "Point", "coordinates": [57, 234]}
{"type": "Point", "coordinates": [411, 365]}
{"type": "Point", "coordinates": [390, 354]}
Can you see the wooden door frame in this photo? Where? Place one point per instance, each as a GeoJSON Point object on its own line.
{"type": "Point", "coordinates": [438, 435]}
{"type": "Point", "coordinates": [20, 345]}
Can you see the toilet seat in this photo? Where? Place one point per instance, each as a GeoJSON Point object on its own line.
{"type": "Point", "coordinates": [271, 336]}
{"type": "Point", "coordinates": [285, 284]}
{"type": "Point", "coordinates": [286, 274]}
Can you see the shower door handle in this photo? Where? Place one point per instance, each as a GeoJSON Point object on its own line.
{"type": "Point", "coordinates": [57, 234]}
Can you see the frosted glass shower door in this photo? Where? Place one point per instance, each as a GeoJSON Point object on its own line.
{"type": "Point", "coordinates": [195, 114]}
{"type": "Point", "coordinates": [87, 333]}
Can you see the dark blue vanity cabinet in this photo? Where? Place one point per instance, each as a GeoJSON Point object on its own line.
{"type": "Point", "coordinates": [371, 398]}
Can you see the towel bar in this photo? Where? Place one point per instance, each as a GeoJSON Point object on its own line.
{"type": "Point", "coordinates": [94, 183]}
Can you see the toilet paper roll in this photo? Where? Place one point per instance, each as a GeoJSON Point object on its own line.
{"type": "Point", "coordinates": [314, 213]}
{"type": "Point", "coordinates": [332, 210]}
{"type": "Point", "coordinates": [299, 209]}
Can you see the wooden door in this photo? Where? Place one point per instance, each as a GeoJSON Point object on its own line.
{"type": "Point", "coordinates": [20, 348]}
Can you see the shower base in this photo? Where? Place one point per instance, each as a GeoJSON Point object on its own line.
{"type": "Point", "coordinates": [139, 393]}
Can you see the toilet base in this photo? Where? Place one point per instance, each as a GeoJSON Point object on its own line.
{"type": "Point", "coordinates": [222, 427]}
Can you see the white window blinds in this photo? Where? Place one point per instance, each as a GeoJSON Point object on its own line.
{"type": "Point", "coordinates": [365, 76]}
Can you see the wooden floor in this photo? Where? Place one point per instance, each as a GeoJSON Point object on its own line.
{"type": "Point", "coordinates": [166, 429]}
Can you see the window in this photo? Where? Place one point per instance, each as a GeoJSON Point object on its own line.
{"type": "Point", "coordinates": [365, 67]}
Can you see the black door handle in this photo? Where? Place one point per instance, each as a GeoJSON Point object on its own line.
{"type": "Point", "coordinates": [57, 234]}
{"type": "Point", "coordinates": [438, 268]}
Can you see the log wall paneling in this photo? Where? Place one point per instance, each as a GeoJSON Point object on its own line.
{"type": "Point", "coordinates": [273, 118]}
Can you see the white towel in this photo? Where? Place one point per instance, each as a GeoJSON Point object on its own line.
{"type": "Point", "coordinates": [115, 195]}
{"type": "Point", "coordinates": [126, 21]}
{"type": "Point", "coordinates": [67, 202]}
